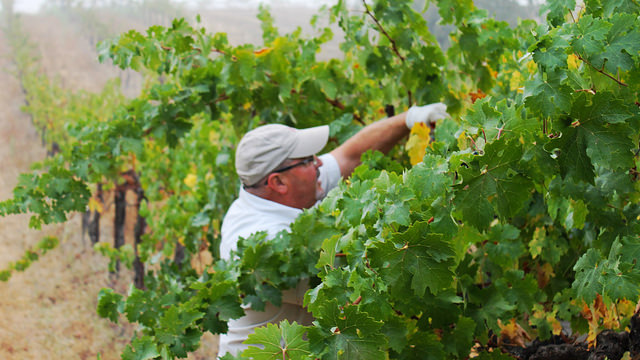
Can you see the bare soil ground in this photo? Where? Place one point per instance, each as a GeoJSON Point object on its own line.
{"type": "Point", "coordinates": [48, 311]}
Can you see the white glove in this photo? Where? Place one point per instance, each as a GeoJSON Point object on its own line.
{"type": "Point", "coordinates": [426, 114]}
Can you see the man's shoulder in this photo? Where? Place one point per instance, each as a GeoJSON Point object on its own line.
{"type": "Point", "coordinates": [258, 210]}
{"type": "Point", "coordinates": [248, 215]}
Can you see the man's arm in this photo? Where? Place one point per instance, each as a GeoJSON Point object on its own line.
{"type": "Point", "coordinates": [384, 134]}
{"type": "Point", "coordinates": [381, 135]}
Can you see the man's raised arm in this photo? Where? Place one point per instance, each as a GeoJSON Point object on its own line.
{"type": "Point", "coordinates": [382, 135]}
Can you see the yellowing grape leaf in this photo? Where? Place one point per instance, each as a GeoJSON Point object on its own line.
{"type": "Point", "coordinates": [573, 62]}
{"type": "Point", "coordinates": [540, 314]}
{"type": "Point", "coordinates": [626, 308]}
{"type": "Point", "coordinates": [191, 180]}
{"type": "Point", "coordinates": [96, 205]}
{"type": "Point", "coordinates": [463, 142]}
{"type": "Point", "coordinates": [475, 96]}
{"type": "Point", "coordinates": [513, 333]}
{"type": "Point", "coordinates": [532, 67]}
{"type": "Point", "coordinates": [418, 141]}
{"type": "Point", "coordinates": [544, 274]}
{"type": "Point", "coordinates": [599, 317]}
{"type": "Point", "coordinates": [214, 137]}
{"type": "Point", "coordinates": [516, 82]}
{"type": "Point", "coordinates": [536, 243]}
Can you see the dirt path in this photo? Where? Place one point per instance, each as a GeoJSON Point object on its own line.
{"type": "Point", "coordinates": [47, 312]}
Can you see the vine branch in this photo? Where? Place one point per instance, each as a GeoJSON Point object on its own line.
{"type": "Point", "coordinates": [601, 71]}
{"type": "Point", "coordinates": [394, 47]}
{"type": "Point", "coordinates": [393, 42]}
{"type": "Point", "coordinates": [333, 102]}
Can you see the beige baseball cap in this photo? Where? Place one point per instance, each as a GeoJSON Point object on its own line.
{"type": "Point", "coordinates": [263, 149]}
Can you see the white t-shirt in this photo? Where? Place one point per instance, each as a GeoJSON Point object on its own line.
{"type": "Point", "coordinates": [247, 215]}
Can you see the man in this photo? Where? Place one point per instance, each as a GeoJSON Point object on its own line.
{"type": "Point", "coordinates": [281, 176]}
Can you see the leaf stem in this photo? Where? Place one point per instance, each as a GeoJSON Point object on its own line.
{"type": "Point", "coordinates": [601, 71]}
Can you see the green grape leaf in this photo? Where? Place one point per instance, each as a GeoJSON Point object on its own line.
{"type": "Point", "coordinates": [483, 115]}
{"type": "Point", "coordinates": [261, 258]}
{"type": "Point", "coordinates": [141, 306]}
{"type": "Point", "coordinates": [222, 301]}
{"type": "Point", "coordinates": [590, 35]}
{"type": "Point", "coordinates": [551, 51]}
{"type": "Point", "coordinates": [460, 340]}
{"type": "Point", "coordinates": [547, 247]}
{"type": "Point", "coordinates": [454, 10]}
{"type": "Point", "coordinates": [396, 198]}
{"type": "Point", "coordinates": [492, 185]}
{"type": "Point", "coordinates": [594, 136]}
{"type": "Point", "coordinates": [143, 348]}
{"type": "Point", "coordinates": [283, 341]}
{"type": "Point", "coordinates": [346, 334]}
{"type": "Point", "coordinates": [577, 215]}
{"type": "Point", "coordinates": [607, 143]}
{"type": "Point", "coordinates": [175, 328]}
{"type": "Point", "coordinates": [359, 203]}
{"type": "Point", "coordinates": [465, 237]}
{"type": "Point", "coordinates": [110, 304]}
{"type": "Point", "coordinates": [547, 95]}
{"type": "Point", "coordinates": [622, 278]}
{"type": "Point", "coordinates": [504, 246]}
{"type": "Point", "coordinates": [572, 156]}
{"type": "Point", "coordinates": [335, 286]}
{"type": "Point", "coordinates": [416, 259]}
{"type": "Point", "coordinates": [623, 42]}
{"type": "Point", "coordinates": [395, 330]}
{"type": "Point", "coordinates": [630, 247]}
{"type": "Point", "coordinates": [611, 277]}
{"type": "Point", "coordinates": [603, 107]}
{"type": "Point", "coordinates": [519, 289]}
{"type": "Point", "coordinates": [328, 252]}
{"type": "Point", "coordinates": [428, 179]}
{"type": "Point", "coordinates": [612, 7]}
{"type": "Point", "coordinates": [494, 306]}
{"type": "Point", "coordinates": [557, 10]}
{"type": "Point", "coordinates": [424, 345]}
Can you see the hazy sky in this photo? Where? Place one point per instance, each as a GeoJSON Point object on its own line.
{"type": "Point", "coordinates": [33, 5]}
{"type": "Point", "coordinates": [27, 5]}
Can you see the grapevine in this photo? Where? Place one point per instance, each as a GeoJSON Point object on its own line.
{"type": "Point", "coordinates": [517, 215]}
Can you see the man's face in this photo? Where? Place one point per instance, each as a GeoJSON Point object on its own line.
{"type": "Point", "coordinates": [304, 184]}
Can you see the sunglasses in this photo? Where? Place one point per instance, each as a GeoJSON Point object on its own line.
{"type": "Point", "coordinates": [306, 161]}
{"type": "Point", "coordinates": [311, 159]}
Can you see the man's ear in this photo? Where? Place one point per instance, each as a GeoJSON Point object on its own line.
{"type": "Point", "coordinates": [275, 183]}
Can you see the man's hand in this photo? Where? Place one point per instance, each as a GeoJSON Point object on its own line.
{"type": "Point", "coordinates": [426, 114]}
